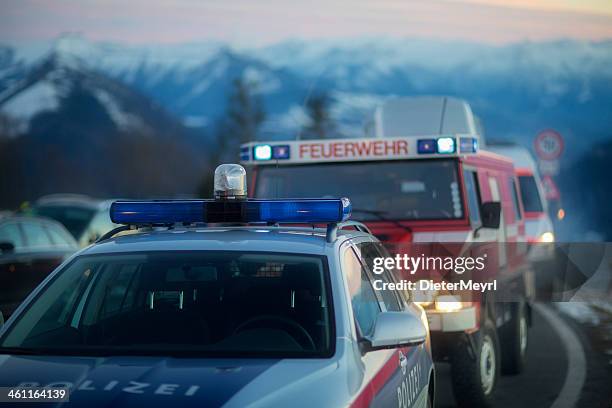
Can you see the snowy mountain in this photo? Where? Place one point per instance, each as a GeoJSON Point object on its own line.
{"type": "Point", "coordinates": [517, 89]}
{"type": "Point", "coordinates": [79, 130]}
{"type": "Point", "coordinates": [64, 85]}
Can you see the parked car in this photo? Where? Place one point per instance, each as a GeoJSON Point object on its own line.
{"type": "Point", "coordinates": [30, 248]}
{"type": "Point", "coordinates": [86, 218]}
{"type": "Point", "coordinates": [538, 224]}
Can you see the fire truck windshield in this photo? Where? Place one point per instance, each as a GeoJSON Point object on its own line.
{"type": "Point", "coordinates": [389, 190]}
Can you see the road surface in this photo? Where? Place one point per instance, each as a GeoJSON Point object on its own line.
{"type": "Point", "coordinates": [556, 343]}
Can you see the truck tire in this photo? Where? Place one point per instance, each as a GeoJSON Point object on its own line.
{"type": "Point", "coordinates": [474, 375]}
{"type": "Point", "coordinates": [514, 340]}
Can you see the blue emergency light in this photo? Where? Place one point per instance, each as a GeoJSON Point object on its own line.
{"type": "Point", "coordinates": [446, 145]}
{"type": "Point", "coordinates": [265, 152]}
{"type": "Point", "coordinates": [468, 144]}
{"type": "Point", "coordinates": [281, 152]}
{"type": "Point", "coordinates": [167, 212]}
{"type": "Point", "coordinates": [426, 146]}
{"type": "Point", "coordinates": [441, 145]}
{"type": "Point", "coordinates": [262, 152]}
{"type": "Point", "coordinates": [244, 153]}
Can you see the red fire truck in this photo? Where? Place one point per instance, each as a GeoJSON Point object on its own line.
{"type": "Point", "coordinates": [413, 191]}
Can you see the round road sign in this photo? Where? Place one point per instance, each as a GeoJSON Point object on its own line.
{"type": "Point", "coordinates": [548, 144]}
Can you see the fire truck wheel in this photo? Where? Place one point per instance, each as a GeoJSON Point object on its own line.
{"type": "Point", "coordinates": [474, 375]}
{"type": "Point", "coordinates": [514, 340]}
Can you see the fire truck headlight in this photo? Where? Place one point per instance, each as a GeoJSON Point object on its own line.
{"type": "Point", "coordinates": [448, 303]}
{"type": "Point", "coordinates": [262, 152]}
{"type": "Point", "coordinates": [423, 297]}
{"type": "Point", "coordinates": [547, 237]}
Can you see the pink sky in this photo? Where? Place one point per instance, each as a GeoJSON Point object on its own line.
{"type": "Point", "coordinates": [267, 21]}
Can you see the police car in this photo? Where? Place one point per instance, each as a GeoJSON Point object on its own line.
{"type": "Point", "coordinates": [213, 303]}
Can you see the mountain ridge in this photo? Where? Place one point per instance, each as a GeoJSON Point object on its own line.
{"type": "Point", "coordinates": [517, 89]}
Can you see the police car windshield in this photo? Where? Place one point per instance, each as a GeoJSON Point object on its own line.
{"type": "Point", "coordinates": [397, 190]}
{"type": "Point", "coordinates": [200, 303]}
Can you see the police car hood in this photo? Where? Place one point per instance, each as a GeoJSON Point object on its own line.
{"type": "Point", "coordinates": [129, 381]}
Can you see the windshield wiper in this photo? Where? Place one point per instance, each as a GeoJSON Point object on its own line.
{"type": "Point", "coordinates": [51, 351]}
{"type": "Point", "coordinates": [381, 216]}
{"type": "Point", "coordinates": [145, 352]}
{"type": "Point", "coordinates": [22, 351]}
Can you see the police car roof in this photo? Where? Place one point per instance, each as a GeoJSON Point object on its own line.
{"type": "Point", "coordinates": [303, 240]}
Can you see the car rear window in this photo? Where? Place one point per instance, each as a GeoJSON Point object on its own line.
{"type": "Point", "coordinates": [10, 233]}
{"type": "Point", "coordinates": [74, 218]}
{"type": "Point", "coordinates": [35, 234]}
{"type": "Point", "coordinates": [532, 202]}
{"type": "Point", "coordinates": [60, 237]}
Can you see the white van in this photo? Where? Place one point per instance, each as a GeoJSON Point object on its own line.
{"type": "Point", "coordinates": [538, 225]}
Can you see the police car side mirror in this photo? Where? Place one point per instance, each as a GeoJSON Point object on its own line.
{"type": "Point", "coordinates": [396, 329]}
{"type": "Point", "coordinates": [490, 213]}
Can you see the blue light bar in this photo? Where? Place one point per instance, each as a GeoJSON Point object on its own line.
{"type": "Point", "coordinates": [166, 212]}
{"type": "Point", "coordinates": [426, 146]}
{"type": "Point", "coordinates": [300, 211]}
{"type": "Point", "coordinates": [157, 212]}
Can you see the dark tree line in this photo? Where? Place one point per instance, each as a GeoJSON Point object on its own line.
{"type": "Point", "coordinates": [320, 124]}
{"type": "Point", "coordinates": [244, 114]}
{"type": "Point", "coordinates": [79, 149]}
{"type": "Point", "coordinates": [242, 121]}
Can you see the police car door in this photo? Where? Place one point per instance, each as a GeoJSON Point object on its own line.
{"type": "Point", "coordinates": [392, 377]}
